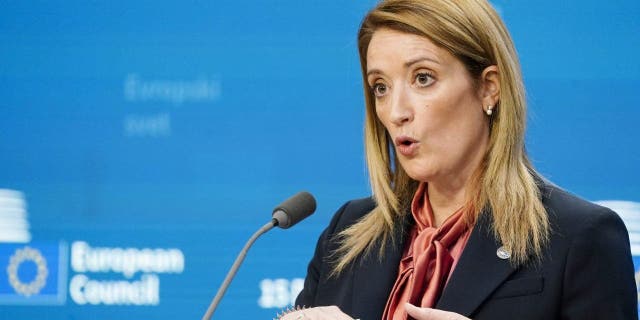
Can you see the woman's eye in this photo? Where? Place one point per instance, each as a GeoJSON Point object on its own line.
{"type": "Point", "coordinates": [424, 79]}
{"type": "Point", "coordinates": [379, 89]}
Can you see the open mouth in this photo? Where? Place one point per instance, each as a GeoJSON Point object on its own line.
{"type": "Point", "coordinates": [404, 141]}
{"type": "Point", "coordinates": [406, 146]}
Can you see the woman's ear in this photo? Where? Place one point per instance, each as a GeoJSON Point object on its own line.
{"type": "Point", "coordinates": [490, 87]}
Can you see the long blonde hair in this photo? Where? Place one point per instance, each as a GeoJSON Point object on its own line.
{"type": "Point", "coordinates": [504, 183]}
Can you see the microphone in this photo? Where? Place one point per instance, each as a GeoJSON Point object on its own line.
{"type": "Point", "coordinates": [285, 215]}
{"type": "Point", "coordinates": [294, 210]}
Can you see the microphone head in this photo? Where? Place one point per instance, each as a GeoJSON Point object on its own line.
{"type": "Point", "coordinates": [294, 209]}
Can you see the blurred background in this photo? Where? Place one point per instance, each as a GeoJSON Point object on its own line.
{"type": "Point", "coordinates": [142, 142]}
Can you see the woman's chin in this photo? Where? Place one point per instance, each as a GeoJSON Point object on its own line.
{"type": "Point", "coordinates": [420, 175]}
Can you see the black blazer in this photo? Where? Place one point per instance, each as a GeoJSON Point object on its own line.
{"type": "Point", "coordinates": [586, 271]}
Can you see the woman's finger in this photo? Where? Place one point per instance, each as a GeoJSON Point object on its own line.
{"type": "Point", "coordinates": [333, 313]}
{"type": "Point", "coordinates": [431, 314]}
{"type": "Point", "coordinates": [317, 313]}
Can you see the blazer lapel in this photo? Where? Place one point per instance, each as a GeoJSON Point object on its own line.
{"type": "Point", "coordinates": [478, 272]}
{"type": "Point", "coordinates": [373, 279]}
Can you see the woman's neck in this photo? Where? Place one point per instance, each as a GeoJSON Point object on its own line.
{"type": "Point", "coordinates": [445, 200]}
{"type": "Point", "coordinates": [448, 192]}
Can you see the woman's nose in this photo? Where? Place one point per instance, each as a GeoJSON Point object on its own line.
{"type": "Point", "coordinates": [401, 110]}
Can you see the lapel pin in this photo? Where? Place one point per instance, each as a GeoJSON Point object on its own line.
{"type": "Point", "coordinates": [503, 253]}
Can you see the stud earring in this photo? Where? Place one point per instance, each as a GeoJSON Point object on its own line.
{"type": "Point", "coordinates": [489, 110]}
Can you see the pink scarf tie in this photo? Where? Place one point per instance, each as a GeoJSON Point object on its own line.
{"type": "Point", "coordinates": [426, 261]}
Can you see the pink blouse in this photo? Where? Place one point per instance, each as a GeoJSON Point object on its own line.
{"type": "Point", "coordinates": [429, 257]}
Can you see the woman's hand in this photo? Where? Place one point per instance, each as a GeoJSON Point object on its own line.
{"type": "Point", "coordinates": [431, 314]}
{"type": "Point", "coordinates": [317, 313]}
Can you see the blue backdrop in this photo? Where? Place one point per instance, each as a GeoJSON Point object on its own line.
{"type": "Point", "coordinates": [142, 143]}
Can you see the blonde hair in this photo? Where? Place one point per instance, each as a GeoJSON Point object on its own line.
{"type": "Point", "coordinates": [504, 182]}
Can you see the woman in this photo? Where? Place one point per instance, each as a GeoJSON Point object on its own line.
{"type": "Point", "coordinates": [460, 225]}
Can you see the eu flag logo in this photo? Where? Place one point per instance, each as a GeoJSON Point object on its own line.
{"type": "Point", "coordinates": [33, 273]}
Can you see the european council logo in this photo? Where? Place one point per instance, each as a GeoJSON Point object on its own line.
{"type": "Point", "coordinates": [30, 273]}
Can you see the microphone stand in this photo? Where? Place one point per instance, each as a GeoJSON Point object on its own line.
{"type": "Point", "coordinates": [234, 268]}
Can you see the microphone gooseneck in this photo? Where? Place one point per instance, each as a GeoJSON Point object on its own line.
{"type": "Point", "coordinates": [234, 269]}
{"type": "Point", "coordinates": [287, 214]}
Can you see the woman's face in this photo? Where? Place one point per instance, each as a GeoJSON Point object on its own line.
{"type": "Point", "coordinates": [429, 105]}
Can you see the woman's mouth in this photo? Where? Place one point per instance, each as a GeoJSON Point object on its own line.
{"type": "Point", "coordinates": [406, 146]}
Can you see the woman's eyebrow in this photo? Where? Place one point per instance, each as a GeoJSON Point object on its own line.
{"type": "Point", "coordinates": [420, 59]}
{"type": "Point", "coordinates": [373, 71]}
{"type": "Point", "coordinates": [406, 64]}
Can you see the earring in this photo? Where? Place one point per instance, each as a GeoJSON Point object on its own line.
{"type": "Point", "coordinates": [489, 110]}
